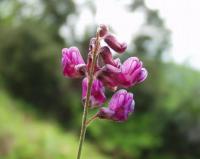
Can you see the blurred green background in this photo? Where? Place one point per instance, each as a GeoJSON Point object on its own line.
{"type": "Point", "coordinates": [40, 110]}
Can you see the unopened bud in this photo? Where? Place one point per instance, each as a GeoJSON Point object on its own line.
{"type": "Point", "coordinates": [112, 41]}
{"type": "Point", "coordinates": [103, 30]}
{"type": "Point", "coordinates": [107, 55]}
{"type": "Point", "coordinates": [92, 44]}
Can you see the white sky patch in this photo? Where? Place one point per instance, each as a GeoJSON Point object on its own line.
{"type": "Point", "coordinates": [85, 20]}
{"type": "Point", "coordinates": [114, 13]}
{"type": "Point", "coordinates": [181, 17]}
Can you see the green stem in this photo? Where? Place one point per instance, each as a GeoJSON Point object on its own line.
{"type": "Point", "coordinates": [91, 119]}
{"type": "Point", "coordinates": [87, 101]}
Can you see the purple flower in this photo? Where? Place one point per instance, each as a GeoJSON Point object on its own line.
{"type": "Point", "coordinates": [132, 72]}
{"type": "Point", "coordinates": [73, 64]}
{"type": "Point", "coordinates": [125, 75]}
{"type": "Point", "coordinates": [115, 44]}
{"type": "Point", "coordinates": [120, 107]}
{"type": "Point", "coordinates": [97, 97]}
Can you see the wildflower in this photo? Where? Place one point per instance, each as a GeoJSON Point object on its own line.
{"type": "Point", "coordinates": [120, 107]}
{"type": "Point", "coordinates": [124, 75]}
{"type": "Point", "coordinates": [97, 97]}
{"type": "Point", "coordinates": [132, 72]}
{"type": "Point", "coordinates": [73, 64]}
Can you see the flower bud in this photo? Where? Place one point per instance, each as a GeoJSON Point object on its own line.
{"type": "Point", "coordinates": [103, 30]}
{"type": "Point", "coordinates": [115, 44]}
{"type": "Point", "coordinates": [72, 62]}
{"type": "Point", "coordinates": [97, 97]}
{"type": "Point", "coordinates": [120, 107]}
{"type": "Point", "coordinates": [107, 56]}
{"type": "Point", "coordinates": [92, 44]}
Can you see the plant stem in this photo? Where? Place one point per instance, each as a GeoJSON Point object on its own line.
{"type": "Point", "coordinates": [87, 101]}
{"type": "Point", "coordinates": [91, 119]}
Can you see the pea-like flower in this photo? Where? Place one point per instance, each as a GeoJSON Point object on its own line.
{"type": "Point", "coordinates": [73, 64]}
{"type": "Point", "coordinates": [132, 72]}
{"type": "Point", "coordinates": [124, 75]}
{"type": "Point", "coordinates": [97, 97]}
{"type": "Point", "coordinates": [120, 107]}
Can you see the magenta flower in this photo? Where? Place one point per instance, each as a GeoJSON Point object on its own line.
{"type": "Point", "coordinates": [124, 75]}
{"type": "Point", "coordinates": [97, 97]}
{"type": "Point", "coordinates": [73, 64]}
{"type": "Point", "coordinates": [112, 41]}
{"type": "Point", "coordinates": [120, 107]}
{"type": "Point", "coordinates": [132, 72]}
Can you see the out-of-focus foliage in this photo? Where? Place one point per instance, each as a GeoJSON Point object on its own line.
{"type": "Point", "coordinates": [163, 125]}
{"type": "Point", "coordinates": [24, 136]}
{"type": "Point", "coordinates": [30, 56]}
{"type": "Point", "coordinates": [166, 121]}
{"type": "Point", "coordinates": [153, 38]}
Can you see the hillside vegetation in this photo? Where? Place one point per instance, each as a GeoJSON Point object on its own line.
{"type": "Point", "coordinates": [24, 136]}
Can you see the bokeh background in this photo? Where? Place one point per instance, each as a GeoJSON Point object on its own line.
{"type": "Point", "coordinates": [40, 110]}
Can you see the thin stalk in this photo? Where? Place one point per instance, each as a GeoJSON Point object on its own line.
{"type": "Point", "coordinates": [91, 119]}
{"type": "Point", "coordinates": [87, 101]}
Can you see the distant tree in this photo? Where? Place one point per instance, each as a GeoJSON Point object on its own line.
{"type": "Point", "coordinates": [153, 38]}
{"type": "Point", "coordinates": [30, 53]}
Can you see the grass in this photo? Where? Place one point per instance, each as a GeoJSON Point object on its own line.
{"type": "Point", "coordinates": [24, 136]}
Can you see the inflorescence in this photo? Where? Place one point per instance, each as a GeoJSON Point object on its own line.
{"type": "Point", "coordinates": [107, 73]}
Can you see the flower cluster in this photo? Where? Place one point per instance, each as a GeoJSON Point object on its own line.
{"type": "Point", "coordinates": [108, 72]}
